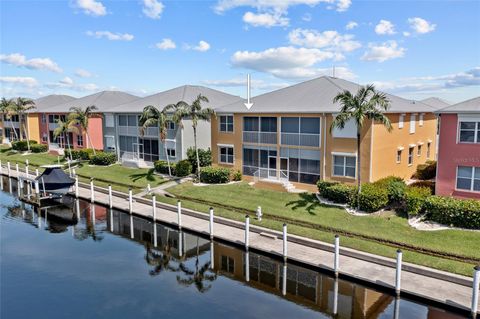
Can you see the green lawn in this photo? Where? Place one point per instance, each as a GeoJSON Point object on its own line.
{"type": "Point", "coordinates": [34, 159]}
{"type": "Point", "coordinates": [304, 207]}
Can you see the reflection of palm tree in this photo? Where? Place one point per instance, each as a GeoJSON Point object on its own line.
{"type": "Point", "coordinates": [197, 277]}
{"type": "Point", "coordinates": [160, 261]}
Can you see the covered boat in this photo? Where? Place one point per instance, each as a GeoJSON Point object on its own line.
{"type": "Point", "coordinates": [54, 180]}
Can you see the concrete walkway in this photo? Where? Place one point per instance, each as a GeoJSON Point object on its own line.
{"type": "Point", "coordinates": [160, 189]}
{"type": "Point", "coordinates": [438, 286]}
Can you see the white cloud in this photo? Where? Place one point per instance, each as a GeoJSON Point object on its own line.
{"type": "Point", "coordinates": [110, 35]}
{"type": "Point", "coordinates": [384, 27]}
{"type": "Point", "coordinates": [383, 52]}
{"type": "Point", "coordinates": [343, 5]}
{"type": "Point", "coordinates": [265, 19]}
{"type": "Point", "coordinates": [153, 8]}
{"type": "Point", "coordinates": [421, 26]}
{"type": "Point", "coordinates": [202, 46]}
{"type": "Point", "coordinates": [18, 59]}
{"type": "Point", "coordinates": [68, 83]}
{"type": "Point", "coordinates": [351, 25]}
{"type": "Point", "coordinates": [406, 33]}
{"type": "Point", "coordinates": [92, 7]}
{"type": "Point", "coordinates": [166, 44]}
{"type": "Point", "coordinates": [328, 40]}
{"type": "Point", "coordinates": [19, 80]}
{"type": "Point", "coordinates": [307, 17]}
{"type": "Point", "coordinates": [83, 73]}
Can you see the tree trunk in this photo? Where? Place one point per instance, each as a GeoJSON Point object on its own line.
{"type": "Point", "coordinates": [90, 142]}
{"type": "Point", "coordinates": [359, 179]}
{"type": "Point", "coordinates": [26, 134]}
{"type": "Point", "coordinates": [13, 128]}
{"type": "Point", "coordinates": [69, 148]}
{"type": "Point", "coordinates": [168, 159]}
{"type": "Point", "coordinates": [196, 151]}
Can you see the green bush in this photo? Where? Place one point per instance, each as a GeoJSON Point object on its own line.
{"type": "Point", "coordinates": [214, 175]}
{"type": "Point", "coordinates": [205, 157]}
{"type": "Point", "coordinates": [103, 158]}
{"type": "Point", "coordinates": [236, 176]}
{"type": "Point", "coordinates": [22, 146]}
{"type": "Point", "coordinates": [39, 148]}
{"type": "Point", "coordinates": [162, 167]}
{"type": "Point", "coordinates": [415, 199]}
{"type": "Point", "coordinates": [455, 212]}
{"type": "Point", "coordinates": [323, 185]}
{"type": "Point", "coordinates": [372, 197]}
{"type": "Point", "coordinates": [427, 184]}
{"type": "Point", "coordinates": [183, 168]}
{"type": "Point", "coordinates": [80, 154]}
{"type": "Point", "coordinates": [426, 171]}
{"type": "Point", "coordinates": [395, 187]}
{"type": "Point", "coordinates": [340, 193]}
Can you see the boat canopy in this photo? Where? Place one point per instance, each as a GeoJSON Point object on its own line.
{"type": "Point", "coordinates": [55, 180]}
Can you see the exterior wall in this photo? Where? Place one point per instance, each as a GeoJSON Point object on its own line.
{"type": "Point", "coordinates": [33, 126]}
{"type": "Point", "coordinates": [386, 144]}
{"type": "Point", "coordinates": [203, 136]}
{"type": "Point", "coordinates": [452, 154]}
{"type": "Point", "coordinates": [95, 132]}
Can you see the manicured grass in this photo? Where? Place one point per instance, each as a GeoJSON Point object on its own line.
{"type": "Point", "coordinates": [34, 159]}
{"type": "Point", "coordinates": [304, 207]}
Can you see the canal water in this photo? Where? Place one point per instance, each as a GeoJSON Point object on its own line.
{"type": "Point", "coordinates": [86, 261]}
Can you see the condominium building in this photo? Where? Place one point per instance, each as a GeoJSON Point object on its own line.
{"type": "Point", "coordinates": [458, 167]}
{"type": "Point", "coordinates": [286, 137]}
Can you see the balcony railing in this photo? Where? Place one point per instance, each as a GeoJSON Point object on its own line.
{"type": "Point", "coordinates": [135, 131]}
{"type": "Point", "coordinates": [260, 137]}
{"type": "Point", "coordinates": [300, 139]}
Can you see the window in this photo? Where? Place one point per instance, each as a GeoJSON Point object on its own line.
{"type": "Point", "coordinates": [109, 120]}
{"type": "Point", "coordinates": [268, 124]}
{"type": "Point", "coordinates": [410, 156]}
{"type": "Point", "coordinates": [171, 152]}
{"type": "Point", "coordinates": [303, 131]}
{"type": "Point", "coordinates": [419, 150]}
{"type": "Point", "coordinates": [344, 166]}
{"type": "Point", "coordinates": [79, 140]}
{"type": "Point", "coordinates": [401, 119]}
{"type": "Point", "coordinates": [44, 138]}
{"type": "Point", "coordinates": [44, 118]}
{"type": "Point", "coordinates": [54, 118]}
{"type": "Point", "coordinates": [399, 156]}
{"type": "Point", "coordinates": [468, 178]}
{"type": "Point", "coordinates": [428, 149]}
{"type": "Point", "coordinates": [122, 120]}
{"type": "Point", "coordinates": [226, 154]}
{"type": "Point", "coordinates": [420, 119]}
{"type": "Point", "coordinates": [412, 123]}
{"type": "Point", "coordinates": [226, 123]}
{"type": "Point", "coordinates": [170, 125]}
{"type": "Point", "coordinates": [250, 124]}
{"type": "Point", "coordinates": [228, 264]}
{"type": "Point", "coordinates": [469, 132]}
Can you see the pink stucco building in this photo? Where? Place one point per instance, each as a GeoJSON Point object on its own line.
{"type": "Point", "coordinates": [458, 169]}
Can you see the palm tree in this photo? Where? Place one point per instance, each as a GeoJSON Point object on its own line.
{"type": "Point", "coordinates": [80, 117]}
{"type": "Point", "coordinates": [152, 116]}
{"type": "Point", "coordinates": [63, 129]}
{"type": "Point", "coordinates": [195, 113]}
{"type": "Point", "coordinates": [366, 104]}
{"type": "Point", "coordinates": [20, 107]}
{"type": "Point", "coordinates": [6, 108]}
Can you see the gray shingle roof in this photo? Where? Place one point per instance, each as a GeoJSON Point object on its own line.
{"type": "Point", "coordinates": [468, 106]}
{"type": "Point", "coordinates": [186, 93]}
{"type": "Point", "coordinates": [315, 96]}
{"type": "Point", "coordinates": [102, 100]}
{"type": "Point", "coordinates": [436, 102]}
{"type": "Point", "coordinates": [51, 100]}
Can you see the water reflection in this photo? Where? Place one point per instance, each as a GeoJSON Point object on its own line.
{"type": "Point", "coordinates": [198, 263]}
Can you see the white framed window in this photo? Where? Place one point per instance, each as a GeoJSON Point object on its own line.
{"type": "Point", "coordinates": [79, 140]}
{"type": "Point", "coordinates": [170, 125]}
{"type": "Point", "coordinates": [109, 120]}
{"type": "Point", "coordinates": [410, 156]}
{"type": "Point", "coordinates": [171, 152]}
{"type": "Point", "coordinates": [420, 119]}
{"type": "Point", "coordinates": [412, 123]}
{"type": "Point", "coordinates": [401, 119]}
{"type": "Point", "coordinates": [469, 132]}
{"type": "Point", "coordinates": [226, 123]}
{"type": "Point", "coordinates": [468, 178]}
{"type": "Point", "coordinates": [344, 165]}
{"type": "Point", "coordinates": [226, 154]}
{"type": "Point", "coordinates": [429, 146]}
{"type": "Point", "coordinates": [44, 137]}
{"type": "Point", "coordinates": [399, 156]}
{"type": "Point", "coordinates": [44, 118]}
{"type": "Point", "coordinates": [419, 150]}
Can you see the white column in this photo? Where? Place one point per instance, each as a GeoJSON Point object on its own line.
{"type": "Point", "coordinates": [247, 232]}
{"type": "Point", "coordinates": [130, 200]}
{"type": "Point", "coordinates": [16, 168]}
{"type": "Point", "coordinates": [37, 188]}
{"type": "Point", "coordinates": [76, 187]}
{"type": "Point", "coordinates": [149, 189]}
{"type": "Point", "coordinates": [336, 258]}
{"type": "Point", "coordinates": [154, 207]}
{"type": "Point", "coordinates": [37, 173]}
{"type": "Point", "coordinates": [476, 286]}
{"type": "Point", "coordinates": [285, 241]}
{"type": "Point", "coordinates": [396, 308]}
{"type": "Point", "coordinates": [211, 223]}
{"type": "Point", "coordinates": [9, 169]}
{"type": "Point", "coordinates": [179, 214]}
{"type": "Point", "coordinates": [398, 277]}
{"type": "Point", "coordinates": [110, 201]}
{"type": "Point", "coordinates": [92, 191]}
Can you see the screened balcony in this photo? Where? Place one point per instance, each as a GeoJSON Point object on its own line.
{"type": "Point", "coordinates": [260, 130]}
{"type": "Point", "coordinates": [300, 131]}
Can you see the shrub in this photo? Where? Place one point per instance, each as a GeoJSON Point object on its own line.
{"type": "Point", "coordinates": [415, 198]}
{"type": "Point", "coordinates": [80, 154]}
{"type": "Point", "coordinates": [427, 184]}
{"type": "Point", "coordinates": [426, 171]}
{"type": "Point", "coordinates": [395, 187]}
{"type": "Point", "coordinates": [103, 158]}
{"type": "Point", "coordinates": [323, 185]}
{"type": "Point", "coordinates": [205, 157]}
{"type": "Point", "coordinates": [340, 193]}
{"type": "Point", "coordinates": [215, 175]}
{"type": "Point", "coordinates": [162, 167]}
{"type": "Point", "coordinates": [456, 212]}
{"type": "Point", "coordinates": [39, 148]}
{"type": "Point", "coordinates": [372, 197]}
{"type": "Point", "coordinates": [22, 145]}
{"type": "Point", "coordinates": [236, 176]}
{"type": "Point", "coordinates": [183, 168]}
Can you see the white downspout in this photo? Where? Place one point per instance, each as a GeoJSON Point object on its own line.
{"type": "Point", "coordinates": [324, 145]}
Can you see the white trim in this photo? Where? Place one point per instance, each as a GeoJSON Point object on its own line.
{"type": "Point", "coordinates": [420, 143]}
{"type": "Point", "coordinates": [219, 146]}
{"type": "Point", "coordinates": [344, 154]}
{"type": "Point", "coordinates": [472, 177]}
{"type": "Point", "coordinates": [475, 134]}
{"type": "Point", "coordinates": [396, 155]}
{"type": "Point", "coordinates": [220, 121]}
{"type": "Point", "coordinates": [430, 141]}
{"type": "Point", "coordinates": [420, 119]}
{"type": "Point", "coordinates": [225, 145]}
{"type": "Point", "coordinates": [412, 145]}
{"type": "Point", "coordinates": [324, 146]}
{"type": "Point", "coordinates": [400, 148]}
{"type": "Point", "coordinates": [344, 164]}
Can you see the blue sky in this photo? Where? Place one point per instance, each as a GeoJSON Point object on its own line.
{"type": "Point", "coordinates": [415, 49]}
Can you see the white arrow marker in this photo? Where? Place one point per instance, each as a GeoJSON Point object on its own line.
{"type": "Point", "coordinates": [248, 105]}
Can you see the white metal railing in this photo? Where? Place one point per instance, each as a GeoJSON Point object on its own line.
{"type": "Point", "coordinates": [300, 139]}
{"type": "Point", "coordinates": [283, 176]}
{"type": "Point", "coordinates": [260, 137]}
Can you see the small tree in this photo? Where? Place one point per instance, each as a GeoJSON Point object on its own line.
{"type": "Point", "coordinates": [63, 129]}
{"type": "Point", "coordinates": [20, 107]}
{"type": "Point", "coordinates": [80, 117]}
{"type": "Point", "coordinates": [6, 108]}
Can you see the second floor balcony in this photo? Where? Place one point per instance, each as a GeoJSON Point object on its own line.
{"type": "Point", "coordinates": [260, 137]}
{"type": "Point", "coordinates": [300, 139]}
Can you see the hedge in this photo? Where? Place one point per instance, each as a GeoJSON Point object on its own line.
{"type": "Point", "coordinates": [214, 175]}
{"type": "Point", "coordinates": [427, 184]}
{"type": "Point", "coordinates": [236, 176]}
{"type": "Point", "coordinates": [183, 168]}
{"type": "Point", "coordinates": [340, 193]}
{"type": "Point", "coordinates": [323, 185]}
{"type": "Point", "coordinates": [205, 157]}
{"type": "Point", "coordinates": [455, 212]}
{"type": "Point", "coordinates": [80, 154]}
{"type": "Point", "coordinates": [22, 145]}
{"type": "Point", "coordinates": [372, 197]}
{"type": "Point", "coordinates": [426, 171]}
{"type": "Point", "coordinates": [39, 148]}
{"type": "Point", "coordinates": [395, 187]}
{"type": "Point", "coordinates": [415, 198]}
{"type": "Point", "coordinates": [162, 167]}
{"type": "Point", "coordinates": [103, 158]}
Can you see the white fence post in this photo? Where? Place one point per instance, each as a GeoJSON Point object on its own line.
{"type": "Point", "coordinates": [76, 187]}
{"type": "Point", "coordinates": [476, 286]}
{"type": "Point", "coordinates": [285, 241]}
{"type": "Point", "coordinates": [154, 207]}
{"type": "Point", "coordinates": [110, 199]}
{"type": "Point", "coordinates": [211, 223]}
{"type": "Point", "coordinates": [398, 277]}
{"type": "Point", "coordinates": [16, 168]}
{"type": "Point", "coordinates": [179, 214]}
{"type": "Point", "coordinates": [26, 167]}
{"type": "Point", "coordinates": [247, 232]}
{"type": "Point", "coordinates": [37, 173]}
{"type": "Point", "coordinates": [130, 200]}
{"type": "Point", "coordinates": [9, 169]}
{"type": "Point", "coordinates": [92, 191]}
{"type": "Point", "coordinates": [336, 258]}
{"type": "Point", "coordinates": [259, 213]}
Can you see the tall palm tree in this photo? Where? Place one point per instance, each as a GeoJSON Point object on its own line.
{"type": "Point", "coordinates": [366, 104]}
{"type": "Point", "coordinates": [151, 116]}
{"type": "Point", "coordinates": [80, 117]}
{"type": "Point", "coordinates": [6, 107]}
{"type": "Point", "coordinates": [195, 113]}
{"type": "Point", "coordinates": [21, 106]}
{"type": "Point", "coordinates": [63, 129]}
